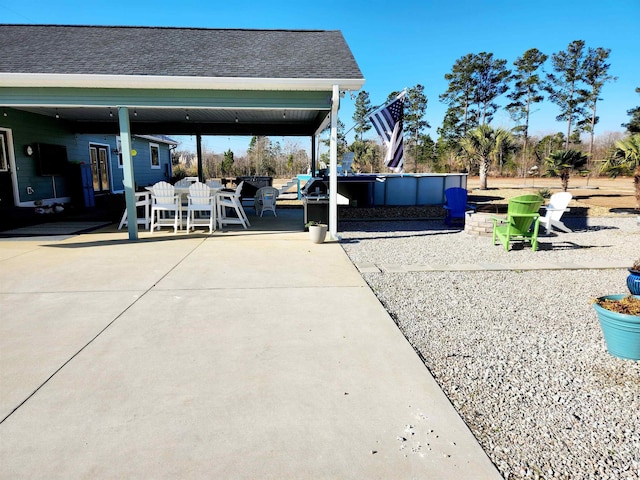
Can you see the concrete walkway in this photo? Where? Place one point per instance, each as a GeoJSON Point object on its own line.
{"type": "Point", "coordinates": [244, 354]}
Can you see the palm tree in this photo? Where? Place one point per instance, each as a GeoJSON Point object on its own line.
{"type": "Point", "coordinates": [561, 162]}
{"type": "Point", "coordinates": [484, 144]}
{"type": "Point", "coordinates": [626, 160]}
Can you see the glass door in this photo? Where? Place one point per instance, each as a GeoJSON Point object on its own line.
{"type": "Point", "coordinates": [6, 185]}
{"type": "Point", "coordinates": [100, 167]}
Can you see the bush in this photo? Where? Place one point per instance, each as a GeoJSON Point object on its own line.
{"type": "Point", "coordinates": [544, 193]}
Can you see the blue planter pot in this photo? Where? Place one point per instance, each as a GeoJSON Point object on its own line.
{"type": "Point", "coordinates": [621, 332]}
{"type": "Point", "coordinates": [633, 282]}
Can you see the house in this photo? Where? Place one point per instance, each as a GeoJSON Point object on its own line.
{"type": "Point", "coordinates": [74, 86]}
{"type": "Point", "coordinates": [42, 160]}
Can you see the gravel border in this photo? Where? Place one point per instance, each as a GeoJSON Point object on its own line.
{"type": "Point", "coordinates": [519, 353]}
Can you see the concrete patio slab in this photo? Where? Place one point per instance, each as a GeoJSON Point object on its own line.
{"type": "Point", "coordinates": [235, 355]}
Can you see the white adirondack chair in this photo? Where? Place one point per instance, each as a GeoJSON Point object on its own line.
{"type": "Point", "coordinates": [231, 200]}
{"type": "Point", "coordinates": [557, 206]}
{"type": "Point", "coordinates": [165, 201]}
{"type": "Point", "coordinates": [200, 207]}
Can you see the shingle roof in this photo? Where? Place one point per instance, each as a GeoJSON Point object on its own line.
{"type": "Point", "coordinates": [108, 50]}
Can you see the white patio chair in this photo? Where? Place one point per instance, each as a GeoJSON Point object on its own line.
{"type": "Point", "coordinates": [143, 202]}
{"type": "Point", "coordinates": [231, 200]}
{"type": "Point", "coordinates": [200, 207]}
{"type": "Point", "coordinates": [557, 206]}
{"type": "Point", "coordinates": [165, 201]}
{"type": "Point", "coordinates": [265, 199]}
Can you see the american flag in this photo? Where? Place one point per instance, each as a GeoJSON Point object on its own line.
{"type": "Point", "coordinates": [388, 123]}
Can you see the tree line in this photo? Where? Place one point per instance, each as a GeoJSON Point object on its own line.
{"type": "Point", "coordinates": [263, 157]}
{"type": "Point", "coordinates": [467, 141]}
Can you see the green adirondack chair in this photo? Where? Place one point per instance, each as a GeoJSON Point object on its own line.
{"type": "Point", "coordinates": [522, 213]}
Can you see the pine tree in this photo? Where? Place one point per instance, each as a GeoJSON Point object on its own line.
{"type": "Point", "coordinates": [564, 86]}
{"type": "Point", "coordinates": [526, 93]}
{"type": "Point", "coordinates": [362, 109]}
{"type": "Point", "coordinates": [596, 74]}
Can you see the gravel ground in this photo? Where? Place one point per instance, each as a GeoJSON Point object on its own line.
{"type": "Point", "coordinates": [519, 353]}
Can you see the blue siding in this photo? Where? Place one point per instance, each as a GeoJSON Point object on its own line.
{"type": "Point", "coordinates": [28, 128]}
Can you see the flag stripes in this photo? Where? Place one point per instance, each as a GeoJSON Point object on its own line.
{"type": "Point", "coordinates": [388, 123]}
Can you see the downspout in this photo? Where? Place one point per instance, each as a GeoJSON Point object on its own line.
{"type": "Point", "coordinates": [127, 165]}
{"type": "Point", "coordinates": [333, 168]}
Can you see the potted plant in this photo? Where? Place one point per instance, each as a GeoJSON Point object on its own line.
{"type": "Point", "coordinates": [317, 231]}
{"type": "Point", "coordinates": [633, 280]}
{"type": "Point", "coordinates": [619, 317]}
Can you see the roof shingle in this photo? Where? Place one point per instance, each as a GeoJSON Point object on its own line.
{"type": "Point", "coordinates": [164, 51]}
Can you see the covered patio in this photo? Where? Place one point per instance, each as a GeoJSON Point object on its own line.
{"type": "Point", "coordinates": [175, 81]}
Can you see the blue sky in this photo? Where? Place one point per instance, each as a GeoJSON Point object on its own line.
{"type": "Point", "coordinates": [399, 45]}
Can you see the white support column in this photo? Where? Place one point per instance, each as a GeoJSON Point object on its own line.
{"type": "Point", "coordinates": [333, 165]}
{"type": "Point", "coordinates": [127, 164]}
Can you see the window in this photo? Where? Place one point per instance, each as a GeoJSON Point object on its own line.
{"type": "Point", "coordinates": [154, 150]}
{"type": "Point", "coordinates": [4, 157]}
{"type": "Point", "coordinates": [119, 148]}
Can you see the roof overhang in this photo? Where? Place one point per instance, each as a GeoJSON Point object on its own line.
{"type": "Point", "coordinates": [177, 105]}
{"type": "Point", "coordinates": [174, 82]}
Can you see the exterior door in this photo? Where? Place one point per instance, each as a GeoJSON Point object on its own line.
{"type": "Point", "coordinates": [100, 167]}
{"type": "Point", "coordinates": [6, 184]}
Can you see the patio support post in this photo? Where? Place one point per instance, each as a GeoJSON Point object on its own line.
{"type": "Point", "coordinates": [333, 162]}
{"type": "Point", "coordinates": [199, 152]}
{"type": "Point", "coordinates": [313, 155]}
{"type": "Point", "coordinates": [127, 165]}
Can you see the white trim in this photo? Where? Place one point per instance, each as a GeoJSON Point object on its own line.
{"type": "Point", "coordinates": [325, 123]}
{"type": "Point", "coordinates": [177, 82]}
{"type": "Point", "coordinates": [109, 162]}
{"type": "Point", "coordinates": [11, 160]}
{"type": "Point", "coordinates": [154, 167]}
{"type": "Point", "coordinates": [119, 153]}
{"type": "Point", "coordinates": [155, 139]}
{"type": "Point", "coordinates": [4, 151]}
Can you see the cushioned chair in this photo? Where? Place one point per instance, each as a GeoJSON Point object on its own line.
{"type": "Point", "coordinates": [229, 200]}
{"type": "Point", "coordinates": [557, 206]}
{"type": "Point", "coordinates": [200, 207]}
{"type": "Point", "coordinates": [265, 199]}
{"type": "Point", "coordinates": [522, 214]}
{"type": "Point", "coordinates": [166, 209]}
{"type": "Point", "coordinates": [456, 206]}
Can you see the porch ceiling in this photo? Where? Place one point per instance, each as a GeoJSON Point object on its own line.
{"type": "Point", "coordinates": [189, 121]}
